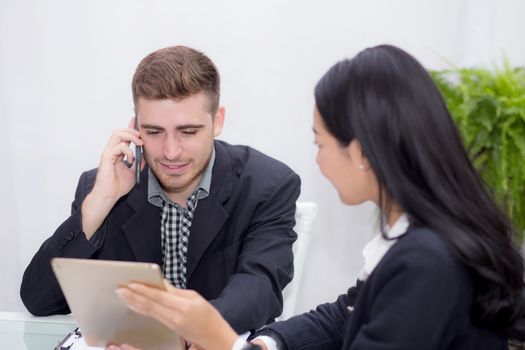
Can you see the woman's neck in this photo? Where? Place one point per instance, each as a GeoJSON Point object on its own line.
{"type": "Point", "coordinates": [394, 215]}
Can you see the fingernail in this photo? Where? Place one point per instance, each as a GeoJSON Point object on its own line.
{"type": "Point", "coordinates": [133, 286]}
{"type": "Point", "coordinates": [120, 293]}
{"type": "Point", "coordinates": [134, 309]}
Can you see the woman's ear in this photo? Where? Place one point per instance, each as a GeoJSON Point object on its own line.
{"type": "Point", "coordinates": [357, 156]}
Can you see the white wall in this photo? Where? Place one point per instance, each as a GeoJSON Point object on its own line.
{"type": "Point", "coordinates": [66, 66]}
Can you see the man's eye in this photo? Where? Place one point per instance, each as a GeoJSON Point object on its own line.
{"type": "Point", "coordinates": [152, 132]}
{"type": "Point", "coordinates": [189, 132]}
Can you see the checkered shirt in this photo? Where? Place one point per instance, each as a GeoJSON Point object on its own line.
{"type": "Point", "coordinates": [175, 231]}
{"type": "Point", "coordinates": [175, 224]}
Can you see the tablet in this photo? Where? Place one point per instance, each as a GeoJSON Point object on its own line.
{"type": "Point", "coordinates": [89, 288]}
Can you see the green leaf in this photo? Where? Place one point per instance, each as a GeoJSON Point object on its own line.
{"type": "Point", "coordinates": [488, 106]}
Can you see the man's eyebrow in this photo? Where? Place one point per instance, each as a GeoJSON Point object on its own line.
{"type": "Point", "coordinates": [189, 126]}
{"type": "Point", "coordinates": [179, 127]}
{"type": "Point", "coordinates": [151, 126]}
{"type": "Point", "coordinates": [315, 131]}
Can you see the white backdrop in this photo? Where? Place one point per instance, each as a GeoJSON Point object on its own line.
{"type": "Point", "coordinates": [66, 67]}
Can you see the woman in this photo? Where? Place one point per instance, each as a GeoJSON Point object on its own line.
{"type": "Point", "coordinates": [442, 273]}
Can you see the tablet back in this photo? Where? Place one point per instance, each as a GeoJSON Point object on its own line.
{"type": "Point", "coordinates": [89, 288]}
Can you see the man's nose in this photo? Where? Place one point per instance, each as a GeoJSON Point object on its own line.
{"type": "Point", "coordinates": [172, 148]}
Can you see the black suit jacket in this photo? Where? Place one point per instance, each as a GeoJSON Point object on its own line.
{"type": "Point", "coordinates": [418, 297]}
{"type": "Point", "coordinates": [240, 245]}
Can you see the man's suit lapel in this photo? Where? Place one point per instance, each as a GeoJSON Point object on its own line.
{"type": "Point", "coordinates": [211, 214]}
{"type": "Point", "coordinates": [144, 222]}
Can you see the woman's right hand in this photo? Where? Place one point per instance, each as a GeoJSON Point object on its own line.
{"type": "Point", "coordinates": [184, 311]}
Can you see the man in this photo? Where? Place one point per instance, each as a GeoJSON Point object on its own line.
{"type": "Point", "coordinates": [217, 218]}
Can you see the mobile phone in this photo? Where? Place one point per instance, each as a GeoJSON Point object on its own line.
{"type": "Point", "coordinates": [138, 156]}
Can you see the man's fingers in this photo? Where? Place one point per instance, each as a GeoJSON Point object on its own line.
{"type": "Point", "coordinates": [124, 135]}
{"type": "Point", "coordinates": [117, 153]}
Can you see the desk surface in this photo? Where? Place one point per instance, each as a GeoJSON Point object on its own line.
{"type": "Point", "coordinates": [21, 331]}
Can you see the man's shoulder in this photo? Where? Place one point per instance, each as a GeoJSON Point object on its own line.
{"type": "Point", "coordinates": [85, 184]}
{"type": "Point", "coordinates": [249, 161]}
{"type": "Point", "coordinates": [90, 174]}
{"type": "Point", "coordinates": [87, 179]}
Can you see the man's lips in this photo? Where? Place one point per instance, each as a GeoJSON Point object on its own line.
{"type": "Point", "coordinates": [176, 168]}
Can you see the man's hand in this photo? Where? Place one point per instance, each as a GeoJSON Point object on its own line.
{"type": "Point", "coordinates": [184, 311]}
{"type": "Point", "coordinates": [114, 178]}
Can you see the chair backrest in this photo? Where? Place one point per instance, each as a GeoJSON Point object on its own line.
{"type": "Point", "coordinates": [304, 218]}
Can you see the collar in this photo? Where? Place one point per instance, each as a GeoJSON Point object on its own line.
{"type": "Point", "coordinates": [374, 251]}
{"type": "Point", "coordinates": [157, 197]}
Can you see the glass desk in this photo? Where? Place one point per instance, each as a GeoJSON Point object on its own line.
{"type": "Point", "coordinates": [21, 331]}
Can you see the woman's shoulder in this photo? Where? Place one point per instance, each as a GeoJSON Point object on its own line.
{"type": "Point", "coordinates": [423, 241]}
{"type": "Point", "coordinates": [422, 265]}
{"type": "Point", "coordinates": [421, 250]}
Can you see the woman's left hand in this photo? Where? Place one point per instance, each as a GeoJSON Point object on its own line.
{"type": "Point", "coordinates": [184, 311]}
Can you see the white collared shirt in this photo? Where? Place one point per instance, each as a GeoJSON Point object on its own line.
{"type": "Point", "coordinates": [374, 250]}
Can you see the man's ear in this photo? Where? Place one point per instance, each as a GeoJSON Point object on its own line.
{"type": "Point", "coordinates": [218, 121]}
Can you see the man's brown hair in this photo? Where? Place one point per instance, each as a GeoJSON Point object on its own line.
{"type": "Point", "coordinates": [176, 72]}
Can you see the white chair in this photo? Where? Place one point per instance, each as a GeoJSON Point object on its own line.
{"type": "Point", "coordinates": [304, 218]}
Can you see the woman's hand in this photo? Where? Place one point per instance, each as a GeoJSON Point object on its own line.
{"type": "Point", "coordinates": [120, 347]}
{"type": "Point", "coordinates": [183, 346]}
{"type": "Point", "coordinates": [184, 311]}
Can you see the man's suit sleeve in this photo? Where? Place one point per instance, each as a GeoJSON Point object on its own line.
{"type": "Point", "coordinates": [40, 291]}
{"type": "Point", "coordinates": [252, 295]}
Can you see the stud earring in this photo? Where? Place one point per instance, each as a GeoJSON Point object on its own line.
{"type": "Point", "coordinates": [361, 167]}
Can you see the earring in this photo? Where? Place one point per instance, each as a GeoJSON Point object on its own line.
{"type": "Point", "coordinates": [361, 167]}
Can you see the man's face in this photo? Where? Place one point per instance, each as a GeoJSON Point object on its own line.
{"type": "Point", "coordinates": [178, 140]}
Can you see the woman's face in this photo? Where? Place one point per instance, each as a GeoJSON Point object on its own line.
{"type": "Point", "coordinates": [344, 166]}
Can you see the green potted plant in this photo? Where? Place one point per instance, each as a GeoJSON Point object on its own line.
{"type": "Point", "coordinates": [489, 107]}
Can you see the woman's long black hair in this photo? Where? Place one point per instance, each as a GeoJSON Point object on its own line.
{"type": "Point", "coordinates": [385, 99]}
